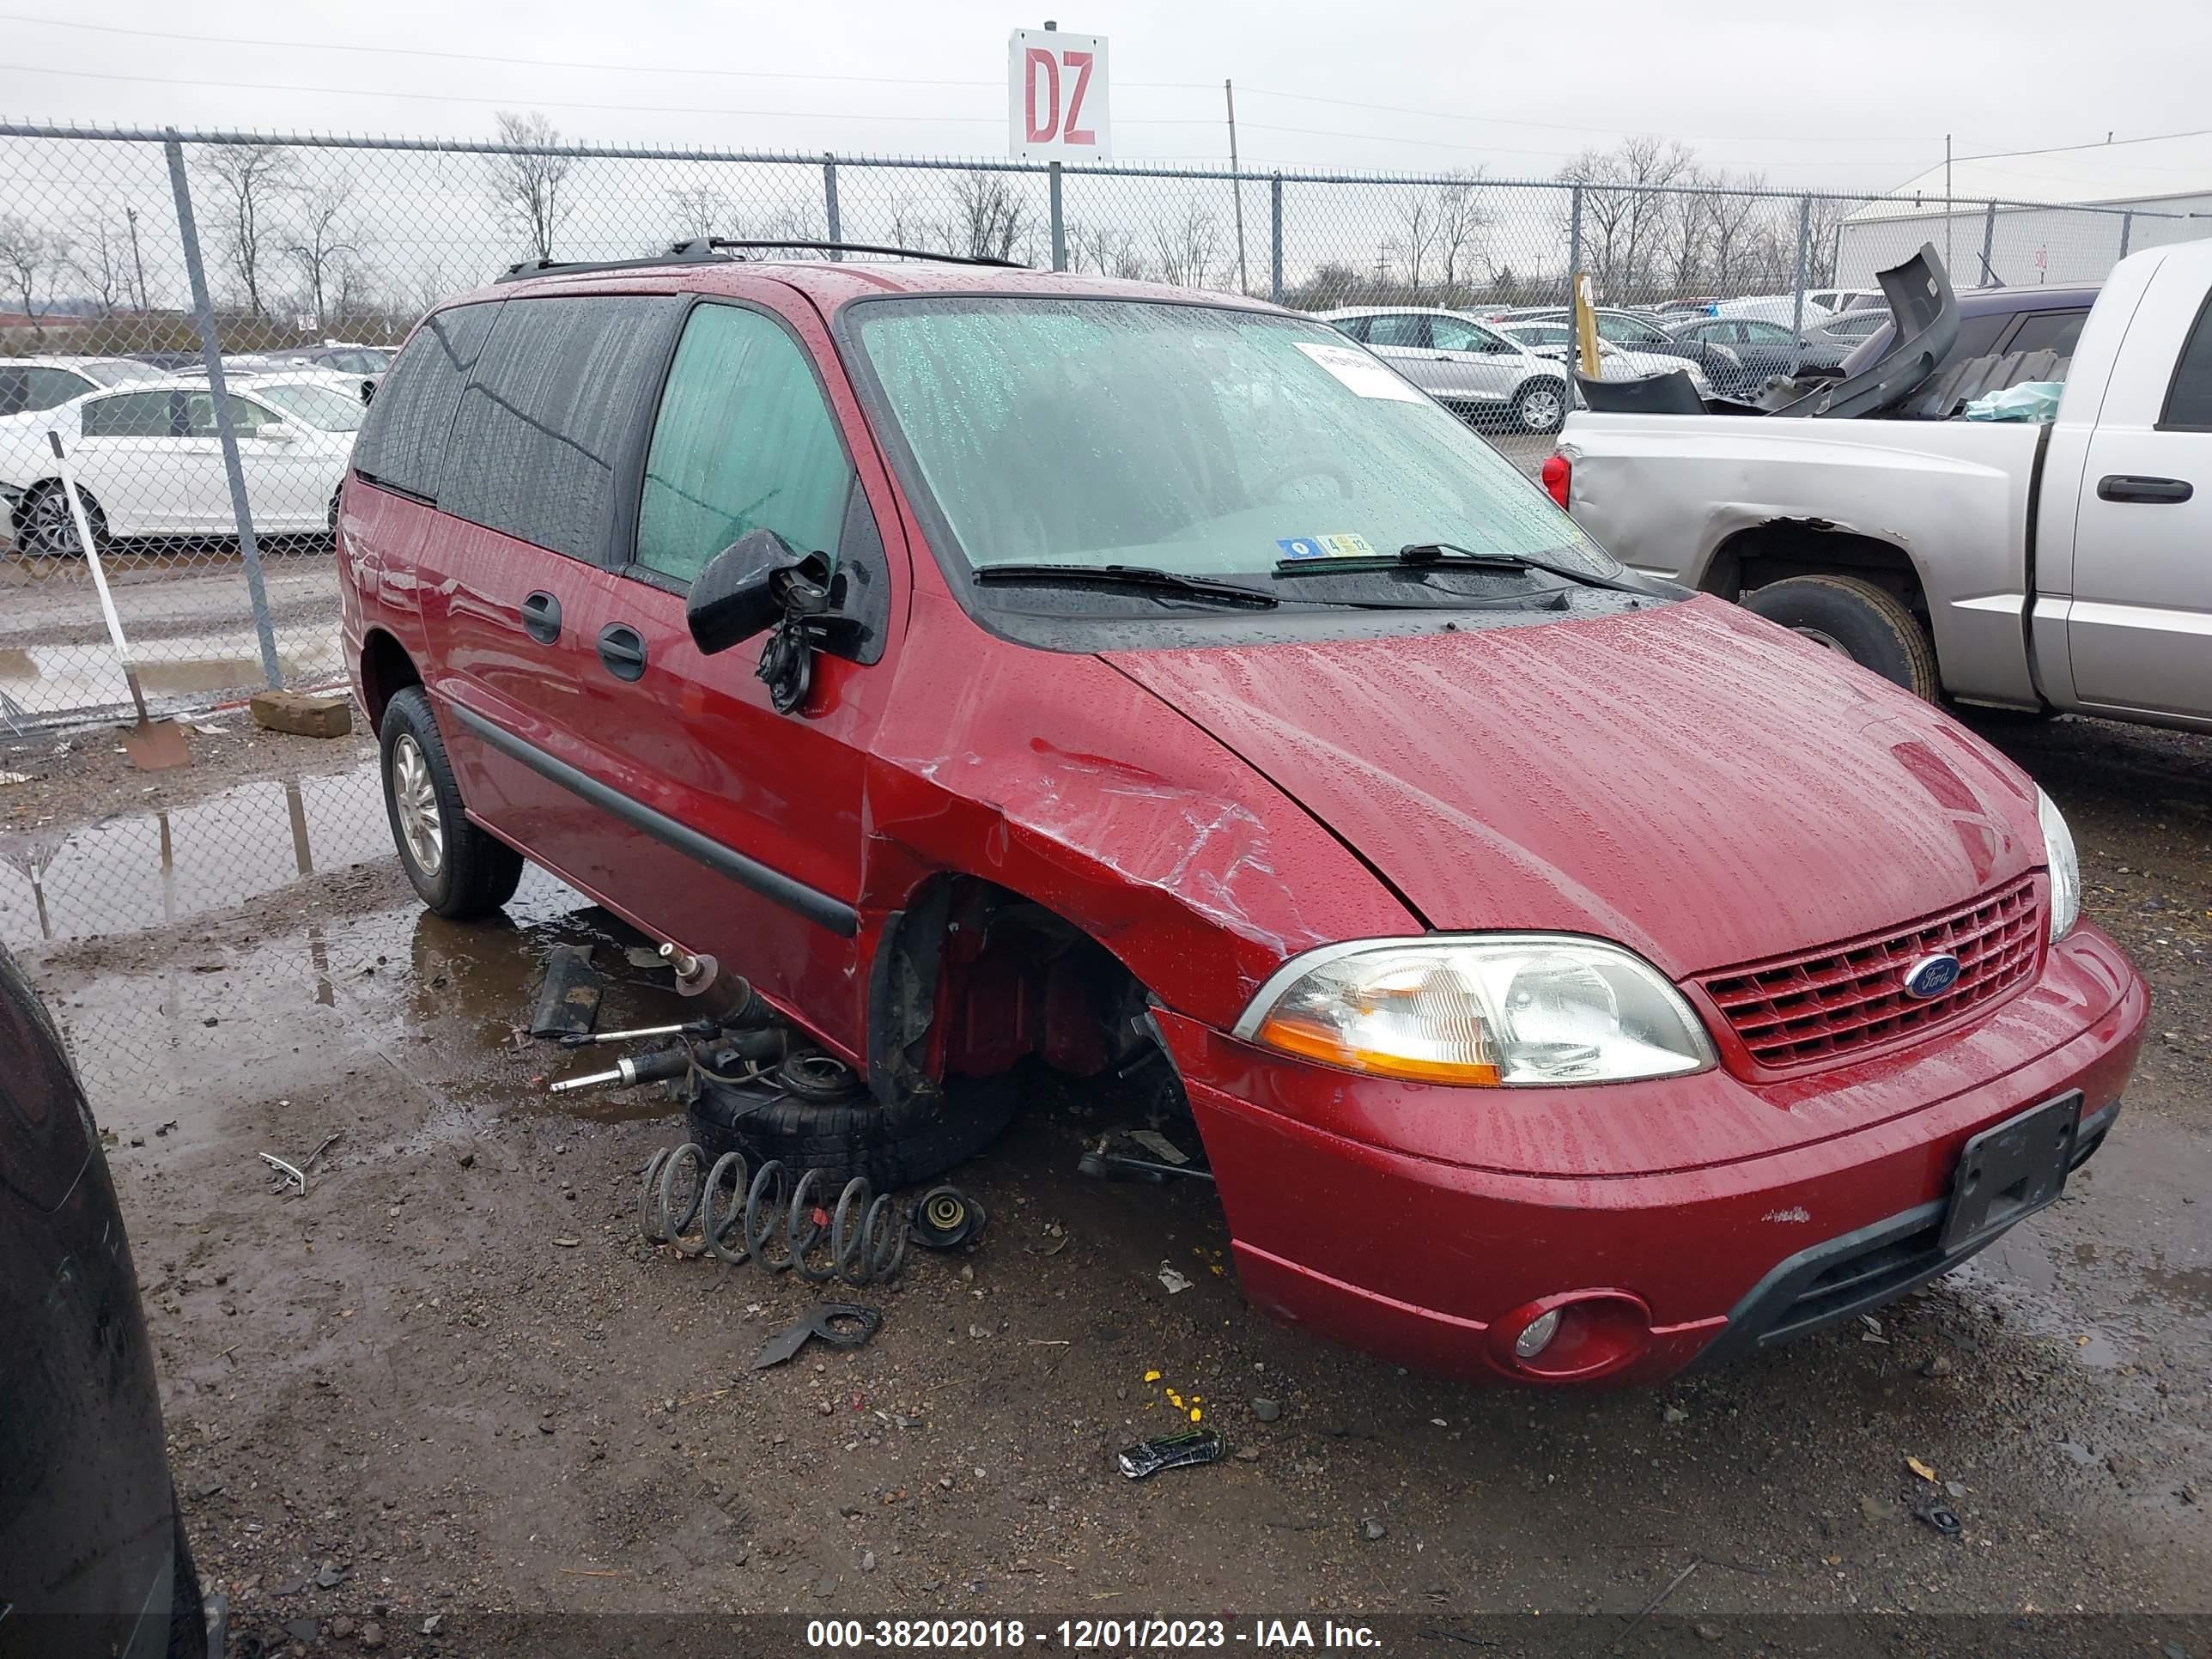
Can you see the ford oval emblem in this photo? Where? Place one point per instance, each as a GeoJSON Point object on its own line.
{"type": "Point", "coordinates": [1931, 977]}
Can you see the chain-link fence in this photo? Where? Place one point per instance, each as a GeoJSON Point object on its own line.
{"type": "Point", "coordinates": [140, 267]}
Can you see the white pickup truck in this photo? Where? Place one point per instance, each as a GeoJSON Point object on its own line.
{"type": "Point", "coordinates": [2062, 566]}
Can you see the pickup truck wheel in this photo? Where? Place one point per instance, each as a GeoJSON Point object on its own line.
{"type": "Point", "coordinates": [1858, 620]}
{"type": "Point", "coordinates": [457, 869]}
{"type": "Point", "coordinates": [893, 1146]}
{"type": "Point", "coordinates": [1540, 406]}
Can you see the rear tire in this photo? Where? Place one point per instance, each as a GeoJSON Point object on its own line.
{"type": "Point", "coordinates": [1540, 406]}
{"type": "Point", "coordinates": [188, 1623]}
{"type": "Point", "coordinates": [457, 869]}
{"type": "Point", "coordinates": [1856, 619]}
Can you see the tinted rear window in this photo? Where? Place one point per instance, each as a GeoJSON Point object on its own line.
{"type": "Point", "coordinates": [2048, 331]}
{"type": "Point", "coordinates": [2189, 400]}
{"type": "Point", "coordinates": [561, 389]}
{"type": "Point", "coordinates": [404, 441]}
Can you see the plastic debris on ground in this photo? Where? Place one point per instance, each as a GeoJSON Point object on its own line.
{"type": "Point", "coordinates": [2031, 400]}
{"type": "Point", "coordinates": [1175, 1452]}
{"type": "Point", "coordinates": [1176, 1283]}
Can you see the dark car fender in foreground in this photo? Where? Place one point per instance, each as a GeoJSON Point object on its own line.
{"type": "Point", "coordinates": [91, 1559]}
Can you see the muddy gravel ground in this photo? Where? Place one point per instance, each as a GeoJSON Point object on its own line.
{"type": "Point", "coordinates": [451, 1381]}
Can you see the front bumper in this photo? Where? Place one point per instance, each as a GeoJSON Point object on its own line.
{"type": "Point", "coordinates": [1436, 1257]}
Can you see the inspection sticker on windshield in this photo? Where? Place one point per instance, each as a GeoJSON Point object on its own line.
{"type": "Point", "coordinates": [1347, 546]}
{"type": "Point", "coordinates": [1360, 372]}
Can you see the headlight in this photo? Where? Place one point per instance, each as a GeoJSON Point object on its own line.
{"type": "Point", "coordinates": [1487, 1011]}
{"type": "Point", "coordinates": [2065, 868]}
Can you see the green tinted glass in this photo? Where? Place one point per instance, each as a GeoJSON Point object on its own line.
{"type": "Point", "coordinates": [742, 441]}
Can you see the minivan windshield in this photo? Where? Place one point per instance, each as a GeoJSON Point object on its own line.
{"type": "Point", "coordinates": [1197, 440]}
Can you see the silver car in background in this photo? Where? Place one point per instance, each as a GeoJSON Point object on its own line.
{"type": "Point", "coordinates": [1477, 372]}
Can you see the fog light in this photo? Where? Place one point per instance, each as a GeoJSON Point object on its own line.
{"type": "Point", "coordinates": [1536, 1336]}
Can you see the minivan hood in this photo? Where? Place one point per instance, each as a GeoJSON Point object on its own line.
{"type": "Point", "coordinates": [1689, 780]}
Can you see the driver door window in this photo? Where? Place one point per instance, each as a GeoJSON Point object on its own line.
{"type": "Point", "coordinates": [744, 441]}
{"type": "Point", "coordinates": [1407, 329]}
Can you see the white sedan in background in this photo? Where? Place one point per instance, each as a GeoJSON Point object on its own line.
{"type": "Point", "coordinates": [1460, 362]}
{"type": "Point", "coordinates": [148, 462]}
{"type": "Point", "coordinates": [1553, 338]}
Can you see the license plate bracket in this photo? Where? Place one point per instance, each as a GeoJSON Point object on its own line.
{"type": "Point", "coordinates": [2012, 1170]}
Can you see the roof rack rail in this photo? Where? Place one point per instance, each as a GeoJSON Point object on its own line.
{"type": "Point", "coordinates": [718, 250]}
{"type": "Point", "coordinates": [683, 253]}
{"type": "Point", "coordinates": [705, 244]}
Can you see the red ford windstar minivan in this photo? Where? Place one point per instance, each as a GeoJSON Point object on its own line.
{"type": "Point", "coordinates": [1571, 976]}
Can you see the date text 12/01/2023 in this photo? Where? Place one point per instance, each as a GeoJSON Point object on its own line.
{"type": "Point", "coordinates": [1088, 1635]}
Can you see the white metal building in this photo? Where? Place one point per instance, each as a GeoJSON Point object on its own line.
{"type": "Point", "coordinates": [2118, 197]}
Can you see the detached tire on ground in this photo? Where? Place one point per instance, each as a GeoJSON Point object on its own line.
{"type": "Point", "coordinates": [1867, 623]}
{"type": "Point", "coordinates": [457, 869]}
{"type": "Point", "coordinates": [893, 1147]}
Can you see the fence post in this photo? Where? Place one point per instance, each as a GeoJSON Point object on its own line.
{"type": "Point", "coordinates": [1059, 218]}
{"type": "Point", "coordinates": [829, 202]}
{"type": "Point", "coordinates": [2127, 231]}
{"type": "Point", "coordinates": [1988, 245]}
{"type": "Point", "coordinates": [1574, 251]}
{"type": "Point", "coordinates": [225, 429]}
{"type": "Point", "coordinates": [1797, 299]}
{"type": "Point", "coordinates": [1275, 239]}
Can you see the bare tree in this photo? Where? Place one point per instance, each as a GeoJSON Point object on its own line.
{"type": "Point", "coordinates": [247, 179]}
{"type": "Point", "coordinates": [1823, 240]}
{"type": "Point", "coordinates": [27, 255]}
{"type": "Point", "coordinates": [99, 256]}
{"type": "Point", "coordinates": [1624, 207]}
{"type": "Point", "coordinates": [1416, 239]}
{"type": "Point", "coordinates": [989, 215]}
{"type": "Point", "coordinates": [1461, 219]}
{"type": "Point", "coordinates": [323, 245]}
{"type": "Point", "coordinates": [1189, 248]}
{"type": "Point", "coordinates": [702, 210]}
{"type": "Point", "coordinates": [1730, 232]}
{"type": "Point", "coordinates": [1109, 250]}
{"type": "Point", "coordinates": [525, 184]}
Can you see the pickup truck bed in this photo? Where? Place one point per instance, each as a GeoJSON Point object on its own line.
{"type": "Point", "coordinates": [2064, 566]}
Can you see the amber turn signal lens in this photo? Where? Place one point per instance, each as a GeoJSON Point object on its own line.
{"type": "Point", "coordinates": [1313, 1041]}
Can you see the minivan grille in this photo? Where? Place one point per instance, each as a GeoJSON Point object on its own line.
{"type": "Point", "coordinates": [1801, 1011]}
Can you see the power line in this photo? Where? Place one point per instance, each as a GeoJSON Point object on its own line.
{"type": "Point", "coordinates": [879, 80]}
{"type": "Point", "coordinates": [558, 103]}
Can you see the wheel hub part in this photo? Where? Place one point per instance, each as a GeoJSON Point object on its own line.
{"type": "Point", "coordinates": [415, 799]}
{"type": "Point", "coordinates": [1824, 639]}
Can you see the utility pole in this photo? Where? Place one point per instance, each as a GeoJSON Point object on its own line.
{"type": "Point", "coordinates": [137, 261]}
{"type": "Point", "coordinates": [1236, 184]}
{"type": "Point", "coordinates": [1947, 209]}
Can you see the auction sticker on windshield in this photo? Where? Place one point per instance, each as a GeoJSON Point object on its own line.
{"type": "Point", "coordinates": [1360, 372]}
{"type": "Point", "coordinates": [1347, 546]}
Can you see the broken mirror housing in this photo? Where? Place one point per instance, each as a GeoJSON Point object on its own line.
{"type": "Point", "coordinates": [750, 585]}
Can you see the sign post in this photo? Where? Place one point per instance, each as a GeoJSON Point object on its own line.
{"type": "Point", "coordinates": [1056, 103]}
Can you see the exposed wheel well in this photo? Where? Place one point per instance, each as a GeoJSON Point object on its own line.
{"type": "Point", "coordinates": [972, 977]}
{"type": "Point", "coordinates": [385, 670]}
{"type": "Point", "coordinates": [1752, 558]}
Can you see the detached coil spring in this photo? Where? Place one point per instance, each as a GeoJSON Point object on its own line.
{"type": "Point", "coordinates": [738, 1216]}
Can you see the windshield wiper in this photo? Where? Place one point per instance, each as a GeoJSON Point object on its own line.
{"type": "Point", "coordinates": [1427, 555]}
{"type": "Point", "coordinates": [1137, 577]}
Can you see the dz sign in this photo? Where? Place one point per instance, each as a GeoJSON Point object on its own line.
{"type": "Point", "coordinates": [1056, 96]}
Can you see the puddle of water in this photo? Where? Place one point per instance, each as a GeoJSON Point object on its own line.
{"type": "Point", "coordinates": [2120, 1271]}
{"type": "Point", "coordinates": [155, 869]}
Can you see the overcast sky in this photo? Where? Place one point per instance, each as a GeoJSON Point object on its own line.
{"type": "Point", "coordinates": [1856, 95]}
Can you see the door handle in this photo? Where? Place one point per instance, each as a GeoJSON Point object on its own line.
{"type": "Point", "coordinates": [2124, 487]}
{"type": "Point", "coordinates": [621, 649]}
{"type": "Point", "coordinates": [541, 618]}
